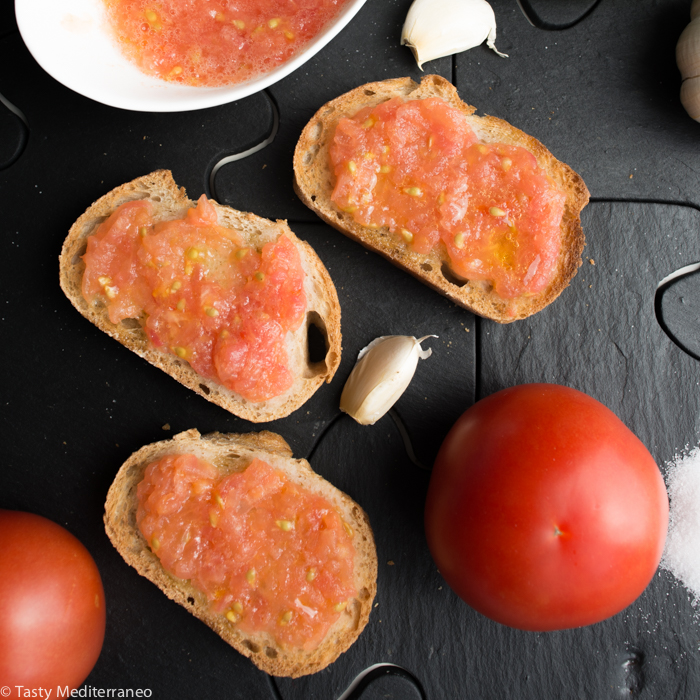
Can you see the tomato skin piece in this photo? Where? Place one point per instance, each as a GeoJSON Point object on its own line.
{"type": "Point", "coordinates": [544, 511]}
{"type": "Point", "coordinates": [52, 605]}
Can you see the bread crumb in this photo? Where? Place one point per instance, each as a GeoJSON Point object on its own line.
{"type": "Point", "coordinates": [166, 426]}
{"type": "Point", "coordinates": [590, 260]}
{"type": "Point", "coordinates": [390, 563]}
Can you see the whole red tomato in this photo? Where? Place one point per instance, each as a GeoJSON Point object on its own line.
{"type": "Point", "coordinates": [52, 606]}
{"type": "Point", "coordinates": [544, 510]}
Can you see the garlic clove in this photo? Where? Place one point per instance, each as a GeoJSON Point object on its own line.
{"type": "Point", "coordinates": [688, 61]}
{"type": "Point", "coordinates": [688, 50]}
{"type": "Point", "coordinates": [690, 97]}
{"type": "Point", "coordinates": [437, 28]}
{"type": "Point", "coordinates": [383, 371]}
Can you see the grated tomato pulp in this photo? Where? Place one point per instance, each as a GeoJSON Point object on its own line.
{"type": "Point", "coordinates": [201, 294]}
{"type": "Point", "coordinates": [418, 168]}
{"type": "Point", "coordinates": [269, 555]}
{"type": "Point", "coordinates": [215, 42]}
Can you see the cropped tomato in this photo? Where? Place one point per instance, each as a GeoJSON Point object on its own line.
{"type": "Point", "coordinates": [52, 606]}
{"type": "Point", "coordinates": [544, 510]}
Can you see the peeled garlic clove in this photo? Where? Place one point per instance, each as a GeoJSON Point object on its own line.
{"type": "Point", "coordinates": [383, 371]}
{"type": "Point", "coordinates": [437, 28]}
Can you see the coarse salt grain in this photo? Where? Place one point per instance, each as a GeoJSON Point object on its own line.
{"type": "Point", "coordinates": [682, 551]}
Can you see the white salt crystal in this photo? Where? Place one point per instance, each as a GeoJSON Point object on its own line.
{"type": "Point", "coordinates": [682, 551]}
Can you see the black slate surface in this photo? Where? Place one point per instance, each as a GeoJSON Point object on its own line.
{"type": "Point", "coordinates": [595, 82]}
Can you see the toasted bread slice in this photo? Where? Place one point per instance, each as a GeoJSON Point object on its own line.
{"type": "Point", "coordinates": [231, 453]}
{"type": "Point", "coordinates": [171, 202]}
{"type": "Point", "coordinates": [314, 181]}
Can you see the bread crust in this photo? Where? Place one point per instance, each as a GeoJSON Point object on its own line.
{"type": "Point", "coordinates": [171, 202]}
{"type": "Point", "coordinates": [231, 453]}
{"type": "Point", "coordinates": [314, 181]}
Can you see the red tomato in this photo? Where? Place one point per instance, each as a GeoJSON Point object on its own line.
{"type": "Point", "coordinates": [544, 510]}
{"type": "Point", "coordinates": [52, 606]}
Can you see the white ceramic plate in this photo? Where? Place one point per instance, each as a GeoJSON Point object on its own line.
{"type": "Point", "coordinates": [69, 40]}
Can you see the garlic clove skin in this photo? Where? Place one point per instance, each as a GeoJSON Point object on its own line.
{"type": "Point", "coordinates": [383, 371]}
{"type": "Point", "coordinates": [688, 61]}
{"type": "Point", "coordinates": [437, 28]}
{"type": "Point", "coordinates": [688, 50]}
{"type": "Point", "coordinates": [690, 97]}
